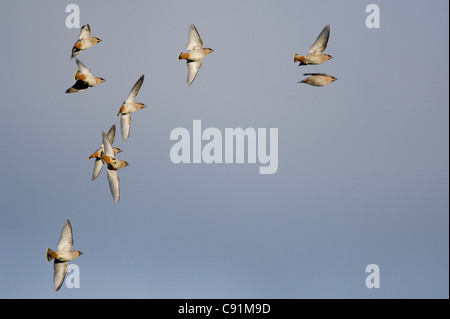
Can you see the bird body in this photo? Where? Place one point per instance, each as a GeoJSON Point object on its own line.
{"type": "Point", "coordinates": [311, 58]}
{"type": "Point", "coordinates": [113, 163]}
{"type": "Point", "coordinates": [318, 79]}
{"type": "Point", "coordinates": [62, 255]}
{"type": "Point", "coordinates": [130, 107]}
{"type": "Point", "coordinates": [195, 55]}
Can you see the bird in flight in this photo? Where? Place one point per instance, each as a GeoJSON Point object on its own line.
{"type": "Point", "coordinates": [195, 54]}
{"type": "Point", "coordinates": [62, 256]}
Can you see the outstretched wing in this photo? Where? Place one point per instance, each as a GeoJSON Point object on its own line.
{"type": "Point", "coordinates": [107, 145]}
{"type": "Point", "coordinates": [111, 133]}
{"type": "Point", "coordinates": [59, 273]}
{"type": "Point", "coordinates": [83, 69]}
{"type": "Point", "coordinates": [85, 32]}
{"type": "Point", "coordinates": [125, 126]}
{"type": "Point", "coordinates": [79, 86]}
{"type": "Point", "coordinates": [193, 67]}
{"type": "Point", "coordinates": [321, 42]}
{"type": "Point", "coordinates": [66, 240]}
{"type": "Point", "coordinates": [194, 42]}
{"type": "Point", "coordinates": [98, 165]}
{"type": "Point", "coordinates": [113, 180]}
{"type": "Point", "coordinates": [135, 90]}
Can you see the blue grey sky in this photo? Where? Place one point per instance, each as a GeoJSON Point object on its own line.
{"type": "Point", "coordinates": [363, 168]}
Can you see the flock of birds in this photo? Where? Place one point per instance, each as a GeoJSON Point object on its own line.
{"type": "Point", "coordinates": [105, 154]}
{"type": "Point", "coordinates": [194, 56]}
{"type": "Point", "coordinates": [84, 79]}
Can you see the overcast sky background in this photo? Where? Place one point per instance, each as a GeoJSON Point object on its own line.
{"type": "Point", "coordinates": [363, 174]}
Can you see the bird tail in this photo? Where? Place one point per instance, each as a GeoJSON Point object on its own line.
{"type": "Point", "coordinates": [299, 58]}
{"type": "Point", "coordinates": [50, 254]}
